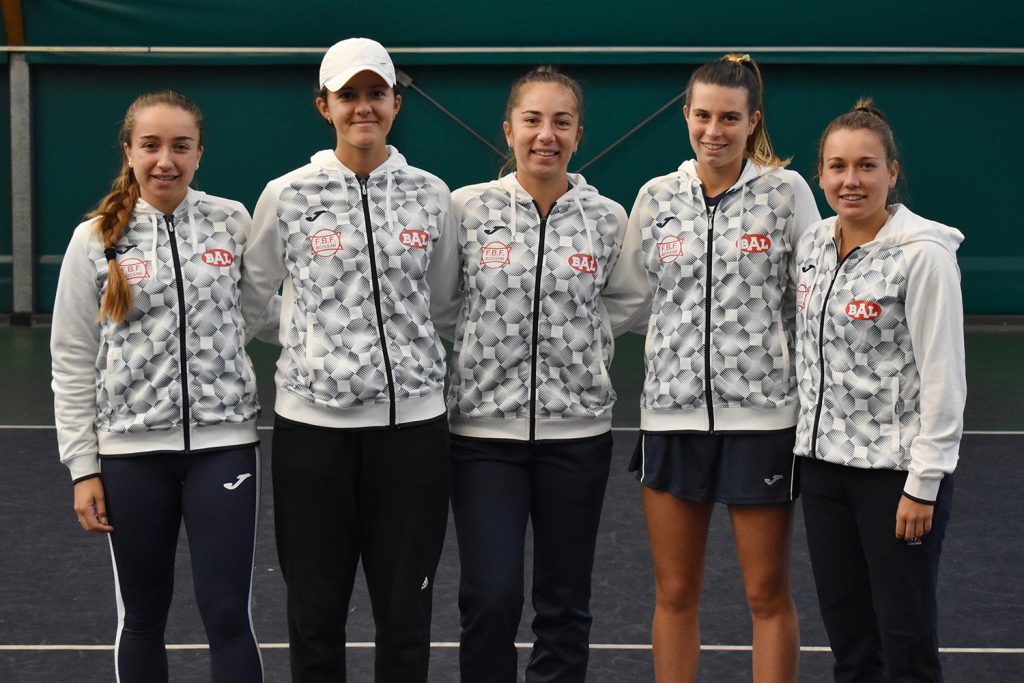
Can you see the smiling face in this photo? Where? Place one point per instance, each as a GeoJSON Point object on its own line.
{"type": "Point", "coordinates": [719, 122]}
{"type": "Point", "coordinates": [543, 130]}
{"type": "Point", "coordinates": [856, 176]}
{"type": "Point", "coordinates": [164, 152]}
{"type": "Point", "coordinates": [362, 112]}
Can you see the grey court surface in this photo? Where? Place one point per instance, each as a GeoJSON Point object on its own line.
{"type": "Point", "coordinates": [57, 612]}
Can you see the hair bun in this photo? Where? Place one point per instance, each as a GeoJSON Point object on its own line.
{"type": "Point", "coordinates": [867, 106]}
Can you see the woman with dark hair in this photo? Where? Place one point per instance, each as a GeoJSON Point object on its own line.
{"type": "Point", "coordinates": [360, 449]}
{"type": "Point", "coordinates": [155, 397]}
{"type": "Point", "coordinates": [529, 397]}
{"type": "Point", "coordinates": [713, 243]}
{"type": "Point", "coordinates": [880, 358]}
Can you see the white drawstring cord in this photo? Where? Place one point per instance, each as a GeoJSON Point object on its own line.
{"type": "Point", "coordinates": [195, 234]}
{"type": "Point", "coordinates": [156, 236]}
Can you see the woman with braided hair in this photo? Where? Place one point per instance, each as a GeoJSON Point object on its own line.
{"type": "Point", "coordinates": [713, 243]}
{"type": "Point", "coordinates": [155, 397]}
{"type": "Point", "coordinates": [880, 361]}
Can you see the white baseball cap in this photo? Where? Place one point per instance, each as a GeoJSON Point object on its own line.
{"type": "Point", "coordinates": [350, 56]}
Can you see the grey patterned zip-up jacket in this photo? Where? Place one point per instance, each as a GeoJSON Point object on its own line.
{"type": "Point", "coordinates": [174, 376]}
{"type": "Point", "coordinates": [357, 259]}
{"type": "Point", "coordinates": [720, 284]}
{"type": "Point", "coordinates": [533, 334]}
{"type": "Point", "coordinates": [880, 351]}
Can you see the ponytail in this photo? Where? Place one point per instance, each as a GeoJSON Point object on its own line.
{"type": "Point", "coordinates": [115, 214]}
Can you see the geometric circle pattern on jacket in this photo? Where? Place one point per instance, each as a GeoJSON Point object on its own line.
{"type": "Point", "coordinates": [870, 412]}
{"type": "Point", "coordinates": [333, 341]}
{"type": "Point", "coordinates": [751, 321]}
{"type": "Point", "coordinates": [139, 365]}
{"type": "Point", "coordinates": [492, 357]}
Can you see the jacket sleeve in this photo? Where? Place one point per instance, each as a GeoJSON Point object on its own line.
{"type": "Point", "coordinates": [935, 318]}
{"type": "Point", "coordinates": [263, 269]}
{"type": "Point", "coordinates": [805, 215]}
{"type": "Point", "coordinates": [444, 272]}
{"type": "Point", "coordinates": [627, 294]}
{"type": "Point", "coordinates": [74, 346]}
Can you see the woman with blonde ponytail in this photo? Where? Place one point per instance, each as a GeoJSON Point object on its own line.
{"type": "Point", "coordinates": [155, 398]}
{"type": "Point", "coordinates": [712, 244]}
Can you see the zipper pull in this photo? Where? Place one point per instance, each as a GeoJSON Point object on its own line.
{"type": "Point", "coordinates": [169, 220]}
{"type": "Point", "coordinates": [362, 186]}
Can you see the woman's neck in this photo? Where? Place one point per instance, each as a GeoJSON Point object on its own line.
{"type": "Point", "coordinates": [362, 162]}
{"type": "Point", "coordinates": [545, 191]}
{"type": "Point", "coordinates": [718, 180]}
{"type": "Point", "coordinates": [851, 234]}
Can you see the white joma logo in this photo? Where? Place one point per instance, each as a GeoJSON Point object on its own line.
{"type": "Point", "coordinates": [231, 486]}
{"type": "Point", "coordinates": [775, 478]}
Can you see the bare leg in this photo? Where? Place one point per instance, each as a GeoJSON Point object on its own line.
{"type": "Point", "coordinates": [678, 532]}
{"type": "Point", "coordinates": [762, 535]}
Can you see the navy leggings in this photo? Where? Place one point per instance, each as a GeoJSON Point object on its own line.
{"type": "Point", "coordinates": [497, 487]}
{"type": "Point", "coordinates": [217, 494]}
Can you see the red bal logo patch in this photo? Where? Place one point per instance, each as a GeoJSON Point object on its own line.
{"type": "Point", "coordinates": [135, 270]}
{"type": "Point", "coordinates": [495, 255]}
{"type": "Point", "coordinates": [670, 248]}
{"type": "Point", "coordinates": [325, 242]}
{"type": "Point", "coordinates": [584, 263]}
{"type": "Point", "coordinates": [414, 239]}
{"type": "Point", "coordinates": [863, 310]}
{"type": "Point", "coordinates": [218, 257]}
{"type": "Point", "coordinates": [754, 244]}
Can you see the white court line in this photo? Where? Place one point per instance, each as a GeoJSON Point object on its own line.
{"type": "Point", "coordinates": [521, 646]}
{"type": "Point", "coordinates": [267, 428]}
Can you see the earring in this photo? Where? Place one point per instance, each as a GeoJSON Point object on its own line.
{"type": "Point", "coordinates": [129, 164]}
{"type": "Point", "coordinates": [197, 167]}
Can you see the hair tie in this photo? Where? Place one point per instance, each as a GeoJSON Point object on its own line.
{"type": "Point", "coordinates": [110, 253]}
{"type": "Point", "coordinates": [738, 60]}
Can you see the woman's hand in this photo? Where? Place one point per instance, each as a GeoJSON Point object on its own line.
{"type": "Point", "coordinates": [91, 506]}
{"type": "Point", "coordinates": [913, 519]}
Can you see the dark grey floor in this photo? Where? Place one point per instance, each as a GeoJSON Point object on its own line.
{"type": "Point", "coordinates": [56, 582]}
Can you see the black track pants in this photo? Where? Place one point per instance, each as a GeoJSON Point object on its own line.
{"type": "Point", "coordinates": [497, 488]}
{"type": "Point", "coordinates": [877, 593]}
{"type": "Point", "coordinates": [340, 496]}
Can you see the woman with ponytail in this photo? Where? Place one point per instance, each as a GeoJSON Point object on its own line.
{"type": "Point", "coordinates": [712, 244]}
{"type": "Point", "coordinates": [880, 361]}
{"type": "Point", "coordinates": [530, 400]}
{"type": "Point", "coordinates": [155, 398]}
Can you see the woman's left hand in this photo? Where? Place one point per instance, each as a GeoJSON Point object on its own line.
{"type": "Point", "coordinates": [913, 519]}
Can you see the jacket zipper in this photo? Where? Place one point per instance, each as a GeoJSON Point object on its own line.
{"type": "Point", "coordinates": [536, 321]}
{"type": "Point", "coordinates": [708, 396]}
{"type": "Point", "coordinates": [180, 287]}
{"type": "Point", "coordinates": [371, 248]}
{"type": "Point", "coordinates": [821, 354]}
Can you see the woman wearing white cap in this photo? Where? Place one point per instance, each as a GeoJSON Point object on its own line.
{"type": "Point", "coordinates": [360, 448]}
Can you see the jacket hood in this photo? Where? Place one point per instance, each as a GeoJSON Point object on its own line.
{"type": "Point", "coordinates": [579, 188]}
{"type": "Point", "coordinates": [328, 160]}
{"type": "Point", "coordinates": [192, 197]}
{"type": "Point", "coordinates": [905, 227]}
{"type": "Point", "coordinates": [688, 171]}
